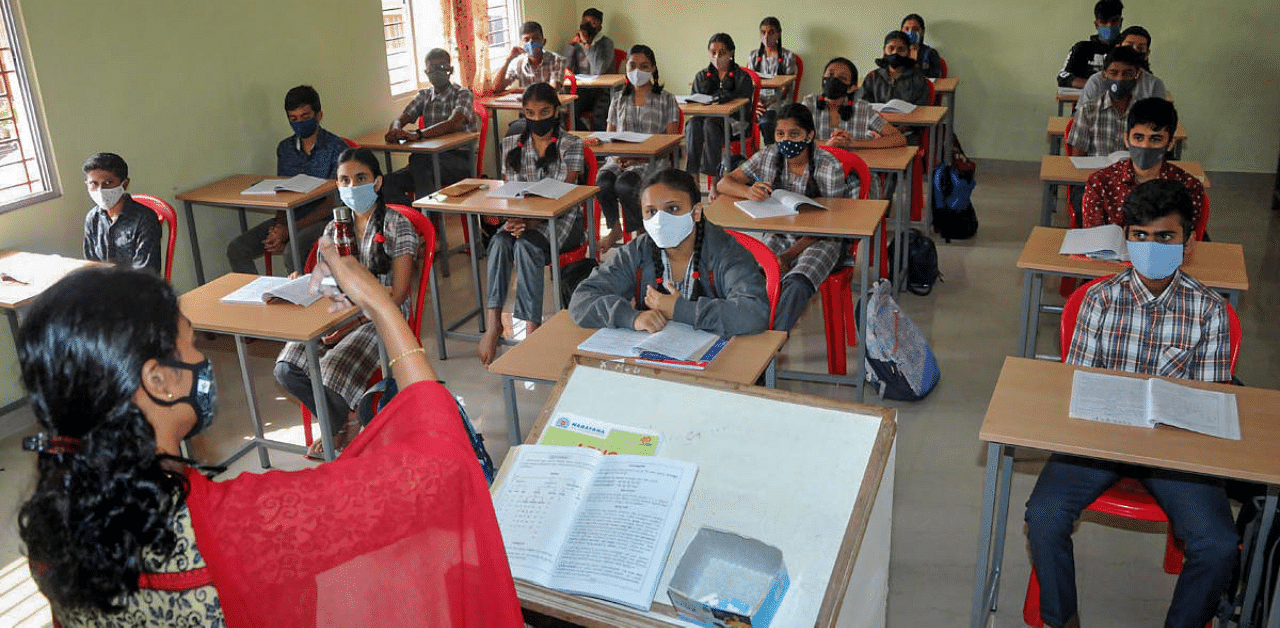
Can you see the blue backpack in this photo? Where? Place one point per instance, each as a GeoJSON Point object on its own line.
{"type": "Point", "coordinates": [900, 365]}
{"type": "Point", "coordinates": [953, 215]}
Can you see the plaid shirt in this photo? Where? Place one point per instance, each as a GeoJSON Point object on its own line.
{"type": "Point", "coordinates": [551, 69]}
{"type": "Point", "coordinates": [863, 124]}
{"type": "Point", "coordinates": [133, 240]}
{"type": "Point", "coordinates": [345, 367]}
{"type": "Point", "coordinates": [1098, 128]}
{"type": "Point", "coordinates": [784, 64]}
{"type": "Point", "coordinates": [1107, 188]}
{"type": "Point", "coordinates": [571, 160]}
{"type": "Point", "coordinates": [1183, 333]}
{"type": "Point", "coordinates": [653, 116]}
{"type": "Point", "coordinates": [435, 106]}
{"type": "Point", "coordinates": [816, 261]}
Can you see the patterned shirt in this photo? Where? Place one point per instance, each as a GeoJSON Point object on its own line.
{"type": "Point", "coordinates": [322, 162]}
{"type": "Point", "coordinates": [784, 64]}
{"type": "Point", "coordinates": [1104, 194]}
{"type": "Point", "coordinates": [571, 160]}
{"type": "Point", "coordinates": [658, 111]}
{"type": "Point", "coordinates": [596, 58]}
{"type": "Point", "coordinates": [552, 68]}
{"type": "Point", "coordinates": [435, 106]}
{"type": "Point", "coordinates": [1099, 128]}
{"type": "Point", "coordinates": [132, 240]}
{"type": "Point", "coordinates": [1183, 333]}
{"type": "Point", "coordinates": [863, 123]}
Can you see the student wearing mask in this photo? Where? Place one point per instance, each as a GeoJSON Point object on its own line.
{"type": "Point", "coordinates": [896, 76]}
{"type": "Point", "coordinates": [386, 244]}
{"type": "Point", "coordinates": [1149, 85]}
{"type": "Point", "coordinates": [118, 229]}
{"type": "Point", "coordinates": [589, 52]}
{"type": "Point", "coordinates": [1151, 319]}
{"type": "Point", "coordinates": [442, 108]}
{"type": "Point", "coordinates": [1085, 58]}
{"type": "Point", "coordinates": [542, 150]}
{"type": "Point", "coordinates": [794, 163]}
{"type": "Point", "coordinates": [928, 61]}
{"type": "Point", "coordinates": [642, 106]}
{"type": "Point", "coordinates": [311, 150]}
{"type": "Point", "coordinates": [771, 59]}
{"type": "Point", "coordinates": [1152, 122]}
{"type": "Point", "coordinates": [1099, 126]}
{"type": "Point", "coordinates": [530, 62]}
{"type": "Point", "coordinates": [725, 81]}
{"type": "Point", "coordinates": [844, 121]}
{"type": "Point", "coordinates": [683, 268]}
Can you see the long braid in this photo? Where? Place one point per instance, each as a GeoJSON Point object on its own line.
{"type": "Point", "coordinates": [514, 156]}
{"type": "Point", "coordinates": [655, 260]}
{"type": "Point", "coordinates": [379, 260]}
{"type": "Point", "coordinates": [695, 292]}
{"type": "Point", "coordinates": [552, 154]}
{"type": "Point", "coordinates": [811, 186]}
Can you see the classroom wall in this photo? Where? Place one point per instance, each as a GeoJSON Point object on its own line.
{"type": "Point", "coordinates": [1006, 55]}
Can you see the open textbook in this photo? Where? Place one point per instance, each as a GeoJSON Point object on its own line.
{"type": "Point", "coordinates": [301, 183]}
{"type": "Point", "coordinates": [577, 520]}
{"type": "Point", "coordinates": [1105, 242]}
{"type": "Point", "coordinates": [897, 105]}
{"type": "Point", "coordinates": [621, 136]}
{"type": "Point", "coordinates": [699, 99]}
{"type": "Point", "coordinates": [1099, 161]}
{"type": "Point", "coordinates": [1145, 402]}
{"type": "Point", "coordinates": [546, 188]}
{"type": "Point", "coordinates": [677, 342]}
{"type": "Point", "coordinates": [264, 289]}
{"type": "Point", "coordinates": [780, 203]}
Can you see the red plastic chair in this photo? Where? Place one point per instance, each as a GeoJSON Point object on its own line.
{"type": "Point", "coordinates": [427, 232]}
{"type": "Point", "coordinates": [942, 65]}
{"type": "Point", "coordinates": [572, 80]}
{"type": "Point", "coordinates": [795, 87]}
{"type": "Point", "coordinates": [1127, 498]}
{"type": "Point", "coordinates": [918, 174]}
{"type": "Point", "coordinates": [769, 263]}
{"type": "Point", "coordinates": [167, 216]}
{"type": "Point", "coordinates": [749, 143]}
{"type": "Point", "coordinates": [580, 253]}
{"type": "Point", "coordinates": [482, 114]}
{"type": "Point", "coordinates": [1202, 222]}
{"type": "Point", "coordinates": [619, 57]}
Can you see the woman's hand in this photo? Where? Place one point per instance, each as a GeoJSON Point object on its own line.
{"type": "Point", "coordinates": [651, 321]}
{"type": "Point", "coordinates": [759, 191]}
{"type": "Point", "coordinates": [664, 304]}
{"type": "Point", "coordinates": [358, 286]}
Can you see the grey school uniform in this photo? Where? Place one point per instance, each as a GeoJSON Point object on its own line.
{"type": "Point", "coordinates": [623, 188]}
{"type": "Point", "coordinates": [863, 122]}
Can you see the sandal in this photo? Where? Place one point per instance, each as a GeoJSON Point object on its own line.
{"type": "Point", "coordinates": [341, 439]}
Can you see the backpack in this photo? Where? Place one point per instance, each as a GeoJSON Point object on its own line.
{"type": "Point", "coordinates": [953, 215]}
{"type": "Point", "coordinates": [899, 365]}
{"type": "Point", "coordinates": [922, 262]}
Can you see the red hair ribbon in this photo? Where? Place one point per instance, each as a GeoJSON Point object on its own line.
{"type": "Point", "coordinates": [378, 237]}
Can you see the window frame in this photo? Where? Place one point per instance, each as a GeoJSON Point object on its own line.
{"type": "Point", "coordinates": [514, 10]}
{"type": "Point", "coordinates": [39, 144]}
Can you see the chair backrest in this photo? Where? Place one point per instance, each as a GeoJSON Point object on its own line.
{"type": "Point", "coordinates": [427, 232]}
{"type": "Point", "coordinates": [1066, 133]}
{"type": "Point", "coordinates": [769, 262]}
{"type": "Point", "coordinates": [754, 131]}
{"type": "Point", "coordinates": [572, 79]}
{"type": "Point", "coordinates": [851, 163]}
{"type": "Point", "coordinates": [1202, 222]}
{"type": "Point", "coordinates": [352, 143]}
{"type": "Point", "coordinates": [619, 58]}
{"type": "Point", "coordinates": [942, 66]}
{"type": "Point", "coordinates": [167, 216]}
{"type": "Point", "coordinates": [588, 219]}
{"type": "Point", "coordinates": [933, 94]}
{"type": "Point", "coordinates": [1071, 311]}
{"type": "Point", "coordinates": [795, 87]}
{"type": "Point", "coordinates": [482, 114]}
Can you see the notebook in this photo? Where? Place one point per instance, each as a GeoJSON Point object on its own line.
{"type": "Point", "coordinates": [1105, 243]}
{"type": "Point", "coordinates": [1099, 161]}
{"type": "Point", "coordinates": [896, 105]}
{"type": "Point", "coordinates": [264, 289]}
{"type": "Point", "coordinates": [780, 203]}
{"type": "Point", "coordinates": [676, 341]}
{"type": "Point", "coordinates": [621, 136]}
{"type": "Point", "coordinates": [1146, 402]}
{"type": "Point", "coordinates": [546, 188]}
{"type": "Point", "coordinates": [700, 99]}
{"type": "Point", "coordinates": [300, 183]}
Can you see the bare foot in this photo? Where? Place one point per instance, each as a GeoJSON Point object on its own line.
{"type": "Point", "coordinates": [610, 239]}
{"type": "Point", "coordinates": [488, 348]}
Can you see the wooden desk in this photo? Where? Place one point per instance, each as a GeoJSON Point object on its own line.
{"type": "Point", "coordinates": [1046, 387]}
{"type": "Point", "coordinates": [650, 150]}
{"type": "Point", "coordinates": [1058, 128]}
{"type": "Point", "coordinates": [477, 203]}
{"type": "Point", "coordinates": [39, 271]}
{"type": "Point", "coordinates": [1218, 265]}
{"type": "Point", "coordinates": [722, 111]}
{"type": "Point", "coordinates": [844, 218]}
{"type": "Point", "coordinates": [924, 118]}
{"type": "Point", "coordinates": [503, 102]}
{"type": "Point", "coordinates": [226, 193]}
{"type": "Point", "coordinates": [545, 353]}
{"type": "Point", "coordinates": [782, 82]}
{"type": "Point", "coordinates": [1058, 170]}
{"type": "Point", "coordinates": [602, 81]}
{"type": "Point", "coordinates": [945, 88]}
{"type": "Point", "coordinates": [277, 321]}
{"type": "Point", "coordinates": [895, 162]}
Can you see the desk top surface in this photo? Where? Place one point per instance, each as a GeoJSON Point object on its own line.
{"type": "Point", "coordinates": [714, 109]}
{"type": "Point", "coordinates": [545, 353]}
{"type": "Point", "coordinates": [1059, 169]}
{"type": "Point", "coordinates": [1045, 386]}
{"type": "Point", "coordinates": [1218, 265]}
{"type": "Point", "coordinates": [1058, 127]}
{"type": "Point", "coordinates": [844, 217]}
{"type": "Point", "coordinates": [278, 321]}
{"type": "Point", "coordinates": [503, 101]}
{"type": "Point", "coordinates": [659, 143]}
{"type": "Point", "coordinates": [602, 81]}
{"type": "Point", "coordinates": [778, 81]}
{"type": "Point", "coordinates": [227, 192]}
{"type": "Point", "coordinates": [945, 85]}
{"type": "Point", "coordinates": [893, 159]}
{"type": "Point", "coordinates": [375, 140]}
{"type": "Point", "coordinates": [477, 202]}
{"type": "Point", "coordinates": [920, 116]}
{"type": "Point", "coordinates": [39, 271]}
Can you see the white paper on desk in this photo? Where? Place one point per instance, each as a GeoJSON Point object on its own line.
{"type": "Point", "coordinates": [1105, 242]}
{"type": "Point", "coordinates": [701, 99]}
{"type": "Point", "coordinates": [261, 290]}
{"type": "Point", "coordinates": [512, 97]}
{"type": "Point", "coordinates": [1099, 161]}
{"type": "Point", "coordinates": [621, 136]}
{"type": "Point", "coordinates": [897, 105]}
{"type": "Point", "coordinates": [1109, 399]}
{"type": "Point", "coordinates": [780, 203]}
{"type": "Point", "coordinates": [1204, 411]}
{"type": "Point", "coordinates": [1070, 91]}
{"type": "Point", "coordinates": [33, 273]}
{"type": "Point", "coordinates": [301, 183]}
{"type": "Point", "coordinates": [546, 188]}
{"type": "Point", "coordinates": [586, 77]}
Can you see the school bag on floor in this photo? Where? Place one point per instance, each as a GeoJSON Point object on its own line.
{"type": "Point", "coordinates": [922, 262]}
{"type": "Point", "coordinates": [900, 365]}
{"type": "Point", "coordinates": [953, 215]}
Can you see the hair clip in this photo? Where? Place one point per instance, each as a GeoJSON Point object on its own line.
{"type": "Point", "coordinates": [42, 443]}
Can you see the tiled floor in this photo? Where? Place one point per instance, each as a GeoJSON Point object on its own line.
{"type": "Point", "coordinates": [971, 321]}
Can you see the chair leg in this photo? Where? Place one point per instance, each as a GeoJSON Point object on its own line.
{"type": "Point", "coordinates": [306, 425]}
{"type": "Point", "coordinates": [266, 264]}
{"type": "Point", "coordinates": [849, 312]}
{"type": "Point", "coordinates": [1031, 605]}
{"type": "Point", "coordinates": [833, 322]}
{"type": "Point", "coordinates": [1172, 553]}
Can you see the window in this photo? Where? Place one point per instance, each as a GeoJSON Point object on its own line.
{"type": "Point", "coordinates": [413, 27]}
{"type": "Point", "coordinates": [25, 176]}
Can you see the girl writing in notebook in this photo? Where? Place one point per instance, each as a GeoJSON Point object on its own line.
{"type": "Point", "coordinates": [724, 81]}
{"type": "Point", "coordinates": [386, 244]}
{"type": "Point", "coordinates": [844, 121]}
{"type": "Point", "coordinates": [794, 163]}
{"type": "Point", "coordinates": [543, 150]}
{"type": "Point", "coordinates": [771, 59]}
{"type": "Point", "coordinates": [682, 269]}
{"type": "Point", "coordinates": [641, 107]}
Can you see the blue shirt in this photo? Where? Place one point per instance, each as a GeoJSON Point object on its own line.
{"type": "Point", "coordinates": [322, 162]}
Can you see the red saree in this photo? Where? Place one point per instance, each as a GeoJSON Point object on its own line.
{"type": "Point", "coordinates": [398, 531]}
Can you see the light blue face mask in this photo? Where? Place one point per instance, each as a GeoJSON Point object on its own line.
{"type": "Point", "coordinates": [1155, 260]}
{"type": "Point", "coordinates": [915, 37]}
{"type": "Point", "coordinates": [532, 48]}
{"type": "Point", "coordinates": [360, 198]}
{"type": "Point", "coordinates": [1108, 33]}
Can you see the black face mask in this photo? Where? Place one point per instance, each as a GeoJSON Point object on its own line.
{"type": "Point", "coordinates": [543, 126]}
{"type": "Point", "coordinates": [588, 29]}
{"type": "Point", "coordinates": [833, 88]}
{"type": "Point", "coordinates": [900, 62]}
{"type": "Point", "coordinates": [203, 396]}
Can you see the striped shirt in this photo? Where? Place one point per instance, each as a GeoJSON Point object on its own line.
{"type": "Point", "coordinates": [863, 123]}
{"type": "Point", "coordinates": [784, 64]}
{"type": "Point", "coordinates": [1099, 128]}
{"type": "Point", "coordinates": [571, 160]}
{"type": "Point", "coordinates": [653, 116]}
{"type": "Point", "coordinates": [435, 106]}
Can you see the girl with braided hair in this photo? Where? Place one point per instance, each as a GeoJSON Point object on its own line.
{"type": "Point", "coordinates": [794, 163]}
{"type": "Point", "coordinates": [844, 121]}
{"type": "Point", "coordinates": [682, 269]}
{"type": "Point", "coordinates": [386, 244]}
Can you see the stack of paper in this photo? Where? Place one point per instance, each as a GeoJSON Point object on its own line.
{"type": "Point", "coordinates": [896, 105]}
{"type": "Point", "coordinates": [1099, 161]}
{"type": "Point", "coordinates": [301, 183]}
{"type": "Point", "coordinates": [780, 203]}
{"type": "Point", "coordinates": [1145, 402]}
{"type": "Point", "coordinates": [546, 188]}
{"type": "Point", "coordinates": [1105, 242]}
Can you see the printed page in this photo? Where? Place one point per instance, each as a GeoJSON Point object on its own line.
{"type": "Point", "coordinates": [701, 99]}
{"type": "Point", "coordinates": [769, 208]}
{"type": "Point", "coordinates": [1109, 399]}
{"type": "Point", "coordinates": [510, 189]}
{"type": "Point", "coordinates": [301, 183]}
{"type": "Point", "coordinates": [1103, 242]}
{"type": "Point", "coordinates": [620, 541]}
{"type": "Point", "coordinates": [253, 293]}
{"type": "Point", "coordinates": [678, 340]}
{"type": "Point", "coordinates": [614, 341]}
{"type": "Point", "coordinates": [296, 291]}
{"type": "Point", "coordinates": [550, 188]}
{"type": "Point", "coordinates": [1204, 411]}
{"type": "Point", "coordinates": [795, 200]}
{"type": "Point", "coordinates": [536, 504]}
{"type": "Point", "coordinates": [896, 105]}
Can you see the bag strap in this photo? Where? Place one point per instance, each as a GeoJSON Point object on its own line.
{"type": "Point", "coordinates": [387, 389]}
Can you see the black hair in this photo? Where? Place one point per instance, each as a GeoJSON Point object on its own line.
{"type": "Point", "coordinates": [1136, 30]}
{"type": "Point", "coordinates": [594, 12]}
{"type": "Point", "coordinates": [98, 504]}
{"type": "Point", "coordinates": [913, 16]}
{"type": "Point", "coordinates": [437, 53]}
{"type": "Point", "coordinates": [1122, 54]}
{"type": "Point", "coordinates": [804, 118]}
{"type": "Point", "coordinates": [641, 49]}
{"type": "Point", "coordinates": [529, 28]}
{"type": "Point", "coordinates": [379, 260]}
{"type": "Point", "coordinates": [684, 182]}
{"type": "Point", "coordinates": [1106, 10]}
{"type": "Point", "coordinates": [769, 21]}
{"type": "Point", "coordinates": [1157, 112]}
{"type": "Point", "coordinates": [538, 92]}
{"type": "Point", "coordinates": [302, 95]}
{"type": "Point", "coordinates": [896, 35]}
{"type": "Point", "coordinates": [723, 38]}
{"type": "Point", "coordinates": [110, 162]}
{"type": "Point", "coordinates": [845, 110]}
{"type": "Point", "coordinates": [1156, 199]}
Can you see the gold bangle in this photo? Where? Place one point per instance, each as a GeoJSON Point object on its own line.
{"type": "Point", "coordinates": [392, 363]}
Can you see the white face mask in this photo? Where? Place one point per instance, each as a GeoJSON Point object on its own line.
{"type": "Point", "coordinates": [106, 198]}
{"type": "Point", "coordinates": [669, 230]}
{"type": "Point", "coordinates": [639, 77]}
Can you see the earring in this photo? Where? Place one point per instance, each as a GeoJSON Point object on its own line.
{"type": "Point", "coordinates": [170, 396]}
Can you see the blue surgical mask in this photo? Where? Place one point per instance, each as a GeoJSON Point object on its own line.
{"type": "Point", "coordinates": [791, 148]}
{"type": "Point", "coordinates": [1108, 33]}
{"type": "Point", "coordinates": [360, 198]}
{"type": "Point", "coordinates": [532, 48]}
{"type": "Point", "coordinates": [1155, 260]}
{"type": "Point", "coordinates": [915, 37]}
{"type": "Point", "coordinates": [203, 396]}
{"type": "Point", "coordinates": [305, 128]}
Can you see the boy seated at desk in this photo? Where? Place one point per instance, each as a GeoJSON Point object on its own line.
{"type": "Point", "coordinates": [441, 109]}
{"type": "Point", "coordinates": [1151, 126]}
{"type": "Point", "coordinates": [1155, 320]}
{"type": "Point", "coordinates": [896, 76]}
{"type": "Point", "coordinates": [589, 52]}
{"type": "Point", "coordinates": [118, 229]}
{"type": "Point", "coordinates": [530, 62]}
{"type": "Point", "coordinates": [1099, 126]}
{"type": "Point", "coordinates": [1149, 85]}
{"type": "Point", "coordinates": [311, 150]}
{"type": "Point", "coordinates": [1085, 58]}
